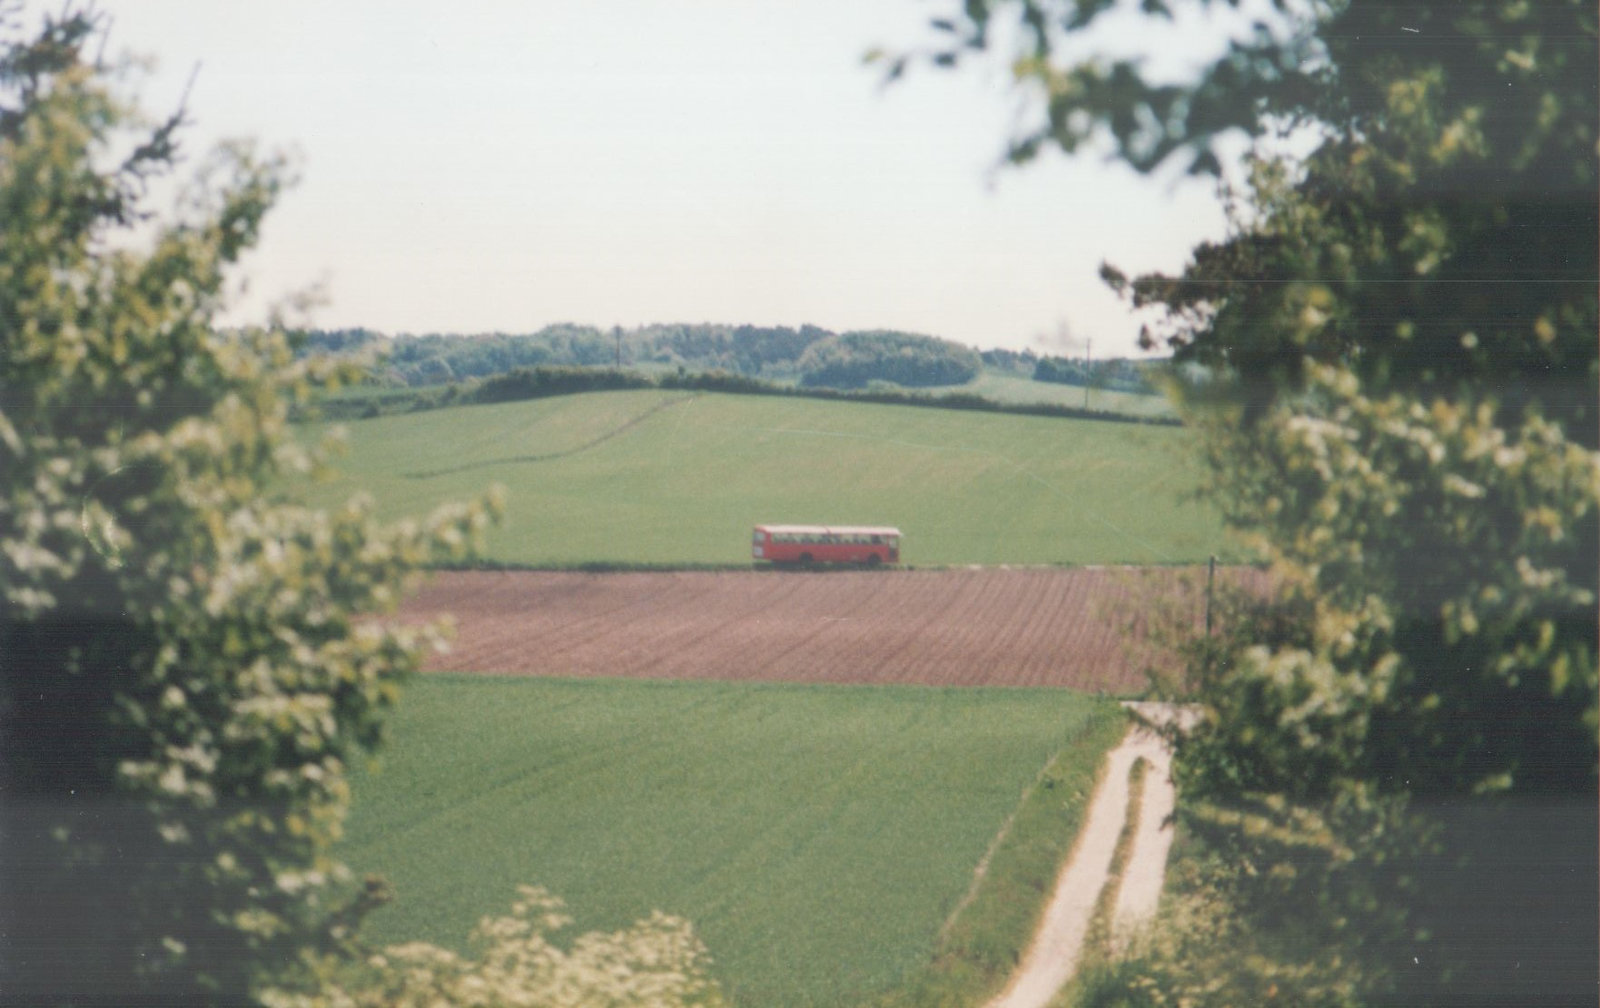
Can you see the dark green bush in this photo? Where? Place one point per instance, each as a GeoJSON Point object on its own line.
{"type": "Point", "coordinates": [853, 360]}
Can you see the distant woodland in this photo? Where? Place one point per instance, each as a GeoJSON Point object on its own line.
{"type": "Point", "coordinates": [809, 356]}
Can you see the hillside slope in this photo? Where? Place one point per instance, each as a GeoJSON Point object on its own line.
{"type": "Point", "coordinates": [673, 477]}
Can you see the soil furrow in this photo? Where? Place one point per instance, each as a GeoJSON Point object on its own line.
{"type": "Point", "coordinates": [1081, 628]}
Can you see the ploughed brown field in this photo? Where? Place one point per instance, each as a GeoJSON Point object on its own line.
{"type": "Point", "coordinates": [1095, 629]}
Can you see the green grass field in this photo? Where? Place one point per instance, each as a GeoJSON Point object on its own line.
{"type": "Point", "coordinates": [672, 477]}
{"type": "Point", "coordinates": [817, 837]}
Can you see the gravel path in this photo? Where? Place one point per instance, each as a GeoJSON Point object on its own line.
{"type": "Point", "coordinates": [1053, 956]}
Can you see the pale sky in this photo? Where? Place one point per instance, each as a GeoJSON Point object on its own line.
{"type": "Point", "coordinates": [482, 166]}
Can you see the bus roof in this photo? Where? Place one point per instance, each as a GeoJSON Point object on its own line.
{"type": "Point", "coordinates": [888, 530]}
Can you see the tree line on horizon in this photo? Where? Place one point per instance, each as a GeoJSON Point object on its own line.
{"type": "Point", "coordinates": [809, 355]}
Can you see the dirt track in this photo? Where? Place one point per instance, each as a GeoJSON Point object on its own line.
{"type": "Point", "coordinates": [1082, 628]}
{"type": "Point", "coordinates": [1052, 957]}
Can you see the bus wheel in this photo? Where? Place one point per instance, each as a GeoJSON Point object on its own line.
{"type": "Point", "coordinates": [874, 560]}
{"type": "Point", "coordinates": [805, 558]}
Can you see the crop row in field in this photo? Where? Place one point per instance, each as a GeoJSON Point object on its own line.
{"type": "Point", "coordinates": [673, 477]}
{"type": "Point", "coordinates": [818, 837]}
{"type": "Point", "coordinates": [1095, 630]}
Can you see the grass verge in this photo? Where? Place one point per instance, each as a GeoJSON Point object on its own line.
{"type": "Point", "coordinates": [985, 939]}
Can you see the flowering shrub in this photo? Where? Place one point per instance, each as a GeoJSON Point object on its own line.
{"type": "Point", "coordinates": [189, 661]}
{"type": "Point", "coordinates": [1434, 551]}
{"type": "Point", "coordinates": [657, 963]}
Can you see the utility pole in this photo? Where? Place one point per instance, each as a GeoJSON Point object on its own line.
{"type": "Point", "coordinates": [1211, 584]}
{"type": "Point", "coordinates": [1088, 369]}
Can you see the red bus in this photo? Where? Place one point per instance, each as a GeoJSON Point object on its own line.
{"type": "Point", "coordinates": [861, 544]}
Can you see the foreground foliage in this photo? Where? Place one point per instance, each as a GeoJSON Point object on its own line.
{"type": "Point", "coordinates": [1398, 759]}
{"type": "Point", "coordinates": [657, 963]}
{"type": "Point", "coordinates": [188, 663]}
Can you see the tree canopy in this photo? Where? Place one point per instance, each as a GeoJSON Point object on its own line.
{"type": "Point", "coordinates": [410, 359]}
{"type": "Point", "coordinates": [1400, 410]}
{"type": "Point", "coordinates": [189, 660]}
{"type": "Point", "coordinates": [855, 359]}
